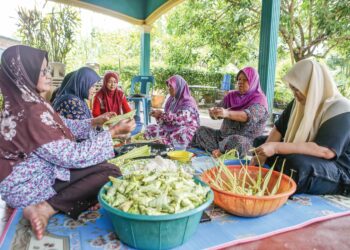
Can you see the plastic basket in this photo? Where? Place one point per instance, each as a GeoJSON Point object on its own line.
{"type": "Point", "coordinates": [249, 205]}
{"type": "Point", "coordinates": [155, 232]}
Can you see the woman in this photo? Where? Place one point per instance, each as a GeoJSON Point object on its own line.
{"type": "Point", "coordinates": [109, 98]}
{"type": "Point", "coordinates": [312, 134]}
{"type": "Point", "coordinates": [180, 119]}
{"type": "Point", "coordinates": [63, 84]}
{"type": "Point", "coordinates": [70, 100]}
{"type": "Point", "coordinates": [43, 169]}
{"type": "Point", "coordinates": [245, 113]}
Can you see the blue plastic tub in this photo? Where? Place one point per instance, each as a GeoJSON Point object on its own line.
{"type": "Point", "coordinates": [239, 162]}
{"type": "Point", "coordinates": [155, 232]}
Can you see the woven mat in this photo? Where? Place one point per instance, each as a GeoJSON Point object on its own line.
{"type": "Point", "coordinates": [93, 230]}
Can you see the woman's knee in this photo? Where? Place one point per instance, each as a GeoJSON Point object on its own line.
{"type": "Point", "coordinates": [240, 143]}
{"type": "Point", "coordinates": [110, 170]}
{"type": "Point", "coordinates": [312, 174]}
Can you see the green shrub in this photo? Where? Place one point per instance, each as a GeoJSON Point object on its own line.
{"type": "Point", "coordinates": [192, 77]}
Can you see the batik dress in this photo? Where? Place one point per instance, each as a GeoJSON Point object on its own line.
{"type": "Point", "coordinates": [233, 134]}
{"type": "Point", "coordinates": [175, 128]}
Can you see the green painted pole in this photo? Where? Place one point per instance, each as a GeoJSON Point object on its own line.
{"type": "Point", "coordinates": [268, 47]}
{"type": "Point", "coordinates": [145, 58]}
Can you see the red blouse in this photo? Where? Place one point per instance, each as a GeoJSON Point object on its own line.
{"type": "Point", "coordinates": [99, 107]}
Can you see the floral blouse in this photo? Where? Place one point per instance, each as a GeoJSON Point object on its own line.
{"type": "Point", "coordinates": [31, 181]}
{"type": "Point", "coordinates": [180, 118]}
{"type": "Point", "coordinates": [176, 127]}
{"type": "Point", "coordinates": [73, 108]}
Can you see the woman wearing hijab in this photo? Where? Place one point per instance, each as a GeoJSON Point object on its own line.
{"type": "Point", "coordinates": [70, 98]}
{"type": "Point", "coordinates": [63, 84]}
{"type": "Point", "coordinates": [312, 134]}
{"type": "Point", "coordinates": [42, 167]}
{"type": "Point", "coordinates": [110, 98]}
{"type": "Point", "coordinates": [180, 119]}
{"type": "Point", "coordinates": [245, 113]}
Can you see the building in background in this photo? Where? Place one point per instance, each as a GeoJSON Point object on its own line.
{"type": "Point", "coordinates": [6, 42]}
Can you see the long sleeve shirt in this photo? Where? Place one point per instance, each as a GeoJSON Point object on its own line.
{"type": "Point", "coordinates": [99, 107]}
{"type": "Point", "coordinates": [31, 180]}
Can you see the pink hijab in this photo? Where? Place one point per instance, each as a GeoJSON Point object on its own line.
{"type": "Point", "coordinates": [237, 101]}
{"type": "Point", "coordinates": [182, 99]}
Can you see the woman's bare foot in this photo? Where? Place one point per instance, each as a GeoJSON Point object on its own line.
{"type": "Point", "coordinates": [216, 153]}
{"type": "Point", "coordinates": [38, 216]}
{"type": "Point", "coordinates": [95, 207]}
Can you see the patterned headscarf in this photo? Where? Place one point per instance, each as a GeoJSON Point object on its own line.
{"type": "Point", "coordinates": [237, 101]}
{"type": "Point", "coordinates": [182, 99]}
{"type": "Point", "coordinates": [27, 120]}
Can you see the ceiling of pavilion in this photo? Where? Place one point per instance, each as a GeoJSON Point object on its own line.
{"type": "Point", "coordinates": [140, 12]}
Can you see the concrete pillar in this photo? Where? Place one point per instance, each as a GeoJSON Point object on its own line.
{"type": "Point", "coordinates": [145, 57]}
{"type": "Point", "coordinates": [268, 47]}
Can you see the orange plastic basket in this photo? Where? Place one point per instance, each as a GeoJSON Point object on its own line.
{"type": "Point", "coordinates": [249, 205]}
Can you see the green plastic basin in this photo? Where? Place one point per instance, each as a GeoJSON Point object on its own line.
{"type": "Point", "coordinates": [155, 232]}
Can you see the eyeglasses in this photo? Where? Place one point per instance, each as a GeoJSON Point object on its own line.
{"type": "Point", "coordinates": [46, 71]}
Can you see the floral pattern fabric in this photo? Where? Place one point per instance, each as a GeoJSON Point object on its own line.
{"type": "Point", "coordinates": [175, 128]}
{"type": "Point", "coordinates": [233, 134]}
{"type": "Point", "coordinates": [31, 180]}
{"type": "Point", "coordinates": [74, 108]}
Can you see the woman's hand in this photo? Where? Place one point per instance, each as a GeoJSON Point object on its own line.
{"type": "Point", "coordinates": [263, 152]}
{"type": "Point", "coordinates": [123, 127]}
{"type": "Point", "coordinates": [216, 153]}
{"type": "Point", "coordinates": [123, 137]}
{"type": "Point", "coordinates": [220, 113]}
{"type": "Point", "coordinates": [211, 113]}
{"type": "Point", "coordinates": [156, 113]}
{"type": "Point", "coordinates": [258, 160]}
{"type": "Point", "coordinates": [100, 120]}
{"type": "Point", "coordinates": [267, 149]}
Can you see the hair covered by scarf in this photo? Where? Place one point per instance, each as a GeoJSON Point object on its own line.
{"type": "Point", "coordinates": [27, 120]}
{"type": "Point", "coordinates": [112, 99]}
{"type": "Point", "coordinates": [323, 100]}
{"type": "Point", "coordinates": [183, 98]}
{"type": "Point", "coordinates": [237, 101]}
{"type": "Point", "coordinates": [78, 85]}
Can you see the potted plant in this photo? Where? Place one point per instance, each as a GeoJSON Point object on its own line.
{"type": "Point", "coordinates": [158, 98]}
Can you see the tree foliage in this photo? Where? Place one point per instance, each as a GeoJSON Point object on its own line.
{"type": "Point", "coordinates": [228, 30]}
{"type": "Point", "coordinates": [161, 74]}
{"type": "Point", "coordinates": [212, 34]}
{"type": "Point", "coordinates": [54, 32]}
{"type": "Point", "coordinates": [312, 28]}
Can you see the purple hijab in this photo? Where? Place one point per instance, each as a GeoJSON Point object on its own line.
{"type": "Point", "coordinates": [237, 101]}
{"type": "Point", "coordinates": [182, 99]}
